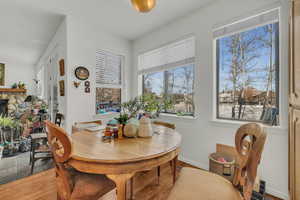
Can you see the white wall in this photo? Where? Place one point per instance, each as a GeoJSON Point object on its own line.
{"type": "Point", "coordinates": [201, 134]}
{"type": "Point", "coordinates": [84, 38]}
{"type": "Point", "coordinates": [56, 50]}
{"type": "Point", "coordinates": [15, 72]}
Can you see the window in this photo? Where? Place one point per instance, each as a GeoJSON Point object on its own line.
{"type": "Point", "coordinates": [108, 100]}
{"type": "Point", "coordinates": [108, 82]}
{"type": "Point", "coordinates": [168, 73]}
{"type": "Point", "coordinates": [248, 70]}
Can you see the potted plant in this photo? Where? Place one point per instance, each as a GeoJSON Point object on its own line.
{"type": "Point", "coordinates": [7, 125]}
{"type": "Point", "coordinates": [14, 86]}
{"type": "Point", "coordinates": [122, 119]}
{"type": "Point", "coordinates": [21, 85]}
{"type": "Point", "coordinates": [152, 105]}
{"type": "Point", "coordinates": [132, 107]}
{"type": "Point", "coordinates": [148, 105]}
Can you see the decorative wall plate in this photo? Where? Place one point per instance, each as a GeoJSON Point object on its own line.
{"type": "Point", "coordinates": [82, 73]}
{"type": "Point", "coordinates": [87, 84]}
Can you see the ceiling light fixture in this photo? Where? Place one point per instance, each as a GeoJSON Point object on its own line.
{"type": "Point", "coordinates": [143, 5]}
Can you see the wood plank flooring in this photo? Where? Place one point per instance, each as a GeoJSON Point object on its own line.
{"type": "Point", "coordinates": [42, 186]}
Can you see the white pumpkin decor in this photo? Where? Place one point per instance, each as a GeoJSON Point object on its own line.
{"type": "Point", "coordinates": [145, 129]}
{"type": "Point", "coordinates": [131, 130]}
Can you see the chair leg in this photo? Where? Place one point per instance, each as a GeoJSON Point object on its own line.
{"type": "Point", "coordinates": [32, 165]}
{"type": "Point", "coordinates": [158, 175]}
{"type": "Point", "coordinates": [58, 197]}
{"type": "Point", "coordinates": [174, 168]}
{"type": "Point", "coordinates": [30, 158]}
{"type": "Point", "coordinates": [171, 164]}
{"type": "Point", "coordinates": [131, 188]}
{"type": "Point", "coordinates": [31, 152]}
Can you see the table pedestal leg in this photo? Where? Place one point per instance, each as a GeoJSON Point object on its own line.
{"type": "Point", "coordinates": [120, 181]}
{"type": "Point", "coordinates": [174, 168]}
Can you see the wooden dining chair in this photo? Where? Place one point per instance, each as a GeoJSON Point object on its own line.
{"type": "Point", "coordinates": [197, 184]}
{"type": "Point", "coordinates": [71, 184]}
{"type": "Point", "coordinates": [165, 124]}
{"type": "Point", "coordinates": [41, 151]}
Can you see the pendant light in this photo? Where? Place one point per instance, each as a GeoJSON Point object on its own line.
{"type": "Point", "coordinates": [143, 5]}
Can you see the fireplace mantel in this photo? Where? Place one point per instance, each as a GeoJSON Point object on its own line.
{"type": "Point", "coordinates": [11, 90]}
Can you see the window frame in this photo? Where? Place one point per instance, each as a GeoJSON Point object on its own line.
{"type": "Point", "coordinates": [111, 86]}
{"type": "Point", "coordinates": [193, 65]}
{"type": "Point", "coordinates": [191, 60]}
{"type": "Point", "coordinates": [216, 63]}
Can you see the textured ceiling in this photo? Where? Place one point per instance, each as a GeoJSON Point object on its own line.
{"type": "Point", "coordinates": [27, 26]}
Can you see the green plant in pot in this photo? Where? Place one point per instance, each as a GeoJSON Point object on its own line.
{"type": "Point", "coordinates": [122, 119]}
{"type": "Point", "coordinates": [21, 85]}
{"type": "Point", "coordinates": [14, 86]}
{"type": "Point", "coordinates": [153, 105]}
{"type": "Point", "coordinates": [132, 107]}
{"type": "Point", "coordinates": [7, 126]}
{"type": "Point", "coordinates": [148, 104]}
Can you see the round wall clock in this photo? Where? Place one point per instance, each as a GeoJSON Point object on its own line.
{"type": "Point", "coordinates": [82, 73]}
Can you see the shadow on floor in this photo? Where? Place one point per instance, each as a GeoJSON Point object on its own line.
{"type": "Point", "coordinates": [16, 167]}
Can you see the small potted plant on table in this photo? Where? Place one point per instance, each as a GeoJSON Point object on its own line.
{"type": "Point", "coordinates": [122, 120]}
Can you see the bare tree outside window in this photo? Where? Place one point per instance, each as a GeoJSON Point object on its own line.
{"type": "Point", "coordinates": [248, 75]}
{"type": "Point", "coordinates": [177, 85]}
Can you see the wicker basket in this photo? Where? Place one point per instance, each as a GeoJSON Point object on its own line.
{"type": "Point", "coordinates": [225, 169]}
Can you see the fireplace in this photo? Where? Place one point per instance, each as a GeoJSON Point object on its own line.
{"type": "Point", "coordinates": [3, 106]}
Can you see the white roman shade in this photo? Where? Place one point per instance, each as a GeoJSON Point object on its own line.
{"type": "Point", "coordinates": [170, 56]}
{"type": "Point", "coordinates": [261, 19]}
{"type": "Point", "coordinates": [108, 68]}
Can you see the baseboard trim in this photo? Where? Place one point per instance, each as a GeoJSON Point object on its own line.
{"type": "Point", "coordinates": [269, 190]}
{"type": "Point", "coordinates": [194, 163]}
{"type": "Point", "coordinates": [277, 193]}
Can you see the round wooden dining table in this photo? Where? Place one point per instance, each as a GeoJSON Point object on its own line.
{"type": "Point", "coordinates": [120, 159]}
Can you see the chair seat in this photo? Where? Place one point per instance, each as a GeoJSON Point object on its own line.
{"type": "Point", "coordinates": [195, 184]}
{"type": "Point", "coordinates": [43, 149]}
{"type": "Point", "coordinates": [90, 186]}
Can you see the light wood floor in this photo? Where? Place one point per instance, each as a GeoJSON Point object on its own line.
{"type": "Point", "coordinates": [42, 186]}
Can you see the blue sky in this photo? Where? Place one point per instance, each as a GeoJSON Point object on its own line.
{"type": "Point", "coordinates": [258, 75]}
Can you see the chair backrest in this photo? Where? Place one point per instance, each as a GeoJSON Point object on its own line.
{"type": "Point", "coordinates": [59, 142]}
{"type": "Point", "coordinates": [165, 124]}
{"type": "Point", "coordinates": [249, 141]}
{"type": "Point", "coordinates": [61, 149]}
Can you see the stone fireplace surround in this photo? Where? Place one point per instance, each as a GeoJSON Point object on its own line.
{"type": "Point", "coordinates": [3, 106]}
{"type": "Point", "coordinates": [14, 98]}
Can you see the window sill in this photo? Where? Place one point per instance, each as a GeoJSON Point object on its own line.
{"type": "Point", "coordinates": [237, 124]}
{"type": "Point", "coordinates": [177, 116]}
{"type": "Point", "coordinates": [107, 115]}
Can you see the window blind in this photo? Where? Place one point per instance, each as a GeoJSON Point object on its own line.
{"type": "Point", "coordinates": [271, 16]}
{"type": "Point", "coordinates": [108, 68]}
{"type": "Point", "coordinates": [170, 56]}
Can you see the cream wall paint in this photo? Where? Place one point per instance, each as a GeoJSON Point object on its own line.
{"type": "Point", "coordinates": [83, 39]}
{"type": "Point", "coordinates": [201, 134]}
{"type": "Point", "coordinates": [56, 48]}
